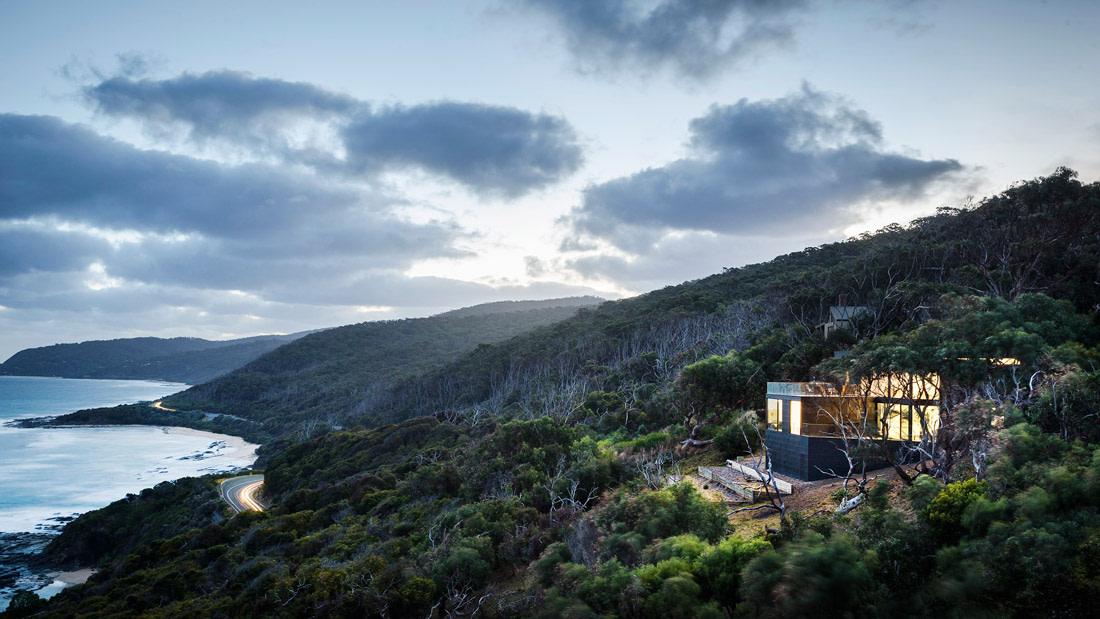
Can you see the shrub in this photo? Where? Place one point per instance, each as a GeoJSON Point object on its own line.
{"type": "Point", "coordinates": [944, 513]}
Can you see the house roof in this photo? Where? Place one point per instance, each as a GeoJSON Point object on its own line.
{"type": "Point", "coordinates": [847, 312]}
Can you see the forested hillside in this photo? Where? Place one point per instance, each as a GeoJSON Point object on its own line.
{"type": "Point", "coordinates": [182, 359]}
{"type": "Point", "coordinates": [544, 475]}
{"type": "Point", "coordinates": [327, 379]}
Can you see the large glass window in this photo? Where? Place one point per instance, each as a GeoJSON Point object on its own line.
{"type": "Point", "coordinates": [796, 417]}
{"type": "Point", "coordinates": [894, 420]}
{"type": "Point", "coordinates": [928, 418]}
{"type": "Point", "coordinates": [775, 414]}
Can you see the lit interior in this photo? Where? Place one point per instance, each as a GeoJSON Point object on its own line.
{"type": "Point", "coordinates": [775, 414]}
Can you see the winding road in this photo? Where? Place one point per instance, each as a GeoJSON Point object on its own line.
{"type": "Point", "coordinates": [240, 492]}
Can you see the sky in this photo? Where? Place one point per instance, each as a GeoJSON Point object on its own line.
{"type": "Point", "coordinates": [228, 169]}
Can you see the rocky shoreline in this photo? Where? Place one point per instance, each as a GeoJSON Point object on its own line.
{"type": "Point", "coordinates": [18, 569]}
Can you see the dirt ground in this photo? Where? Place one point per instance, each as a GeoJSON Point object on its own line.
{"type": "Point", "coordinates": [808, 497]}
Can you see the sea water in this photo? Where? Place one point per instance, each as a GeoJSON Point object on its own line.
{"type": "Point", "coordinates": [49, 475]}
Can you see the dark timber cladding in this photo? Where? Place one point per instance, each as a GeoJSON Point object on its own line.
{"type": "Point", "coordinates": [804, 420]}
{"type": "Point", "coordinates": [805, 457]}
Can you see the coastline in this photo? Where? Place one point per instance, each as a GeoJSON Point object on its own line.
{"type": "Point", "coordinates": [54, 452]}
{"type": "Point", "coordinates": [238, 447]}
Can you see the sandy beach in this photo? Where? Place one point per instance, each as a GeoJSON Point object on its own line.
{"type": "Point", "coordinates": [235, 446]}
{"type": "Point", "coordinates": [77, 577]}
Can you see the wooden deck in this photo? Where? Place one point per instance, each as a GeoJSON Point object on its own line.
{"type": "Point", "coordinates": [741, 480]}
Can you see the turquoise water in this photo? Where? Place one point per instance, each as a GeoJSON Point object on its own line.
{"type": "Point", "coordinates": [35, 396]}
{"type": "Point", "coordinates": [48, 475]}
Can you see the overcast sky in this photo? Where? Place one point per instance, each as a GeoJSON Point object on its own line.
{"type": "Point", "coordinates": [225, 169]}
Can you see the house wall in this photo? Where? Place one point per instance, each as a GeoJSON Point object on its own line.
{"type": "Point", "coordinates": [798, 456]}
{"type": "Point", "coordinates": [801, 456]}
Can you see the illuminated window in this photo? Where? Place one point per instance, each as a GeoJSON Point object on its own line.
{"type": "Point", "coordinates": [775, 414]}
{"type": "Point", "coordinates": [928, 417]}
{"type": "Point", "coordinates": [894, 421]}
{"type": "Point", "coordinates": [796, 417]}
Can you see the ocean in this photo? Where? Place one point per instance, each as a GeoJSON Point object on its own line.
{"type": "Point", "coordinates": [49, 475]}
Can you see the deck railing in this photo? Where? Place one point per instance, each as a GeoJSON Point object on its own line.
{"type": "Point", "coordinates": [815, 389]}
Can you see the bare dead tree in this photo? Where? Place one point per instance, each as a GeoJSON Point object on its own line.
{"type": "Point", "coordinates": [438, 534]}
{"type": "Point", "coordinates": [460, 599]}
{"type": "Point", "coordinates": [581, 542]}
{"type": "Point", "coordinates": [762, 465]}
{"type": "Point", "coordinates": [292, 591]}
{"type": "Point", "coordinates": [657, 466]}
{"type": "Point", "coordinates": [853, 446]}
{"type": "Point", "coordinates": [691, 441]}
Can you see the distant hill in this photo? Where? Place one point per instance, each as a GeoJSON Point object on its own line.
{"type": "Point", "coordinates": [500, 307]}
{"type": "Point", "coordinates": [181, 359]}
{"type": "Point", "coordinates": [333, 376]}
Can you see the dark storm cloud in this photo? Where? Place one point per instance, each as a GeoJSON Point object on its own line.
{"type": "Point", "coordinates": [696, 37]}
{"type": "Point", "coordinates": [492, 150]}
{"type": "Point", "coordinates": [24, 249]}
{"type": "Point", "coordinates": [760, 166]}
{"type": "Point", "coordinates": [216, 104]}
{"type": "Point", "coordinates": [48, 167]}
{"type": "Point", "coordinates": [185, 222]}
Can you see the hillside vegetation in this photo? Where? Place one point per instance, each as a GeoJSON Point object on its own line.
{"type": "Point", "coordinates": [326, 380]}
{"type": "Point", "coordinates": [182, 359]}
{"type": "Point", "coordinates": [536, 475]}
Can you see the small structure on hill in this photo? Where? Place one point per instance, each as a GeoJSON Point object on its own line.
{"type": "Point", "coordinates": [812, 426]}
{"type": "Point", "coordinates": [842, 316]}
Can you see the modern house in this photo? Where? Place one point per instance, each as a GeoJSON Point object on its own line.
{"type": "Point", "coordinates": [808, 424]}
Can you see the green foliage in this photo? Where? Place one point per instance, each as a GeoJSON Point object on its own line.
{"type": "Point", "coordinates": [923, 490]}
{"type": "Point", "coordinates": [344, 374]}
{"type": "Point", "coordinates": [648, 441]}
{"type": "Point", "coordinates": [728, 382]}
{"type": "Point", "coordinates": [718, 568]}
{"type": "Point", "coordinates": [1070, 405]}
{"type": "Point", "coordinates": [975, 331]}
{"type": "Point", "coordinates": [739, 435]}
{"type": "Point", "coordinates": [23, 604]}
{"type": "Point", "coordinates": [163, 511]}
{"type": "Point", "coordinates": [810, 577]}
{"type": "Point", "coordinates": [670, 511]}
{"type": "Point", "coordinates": [944, 512]}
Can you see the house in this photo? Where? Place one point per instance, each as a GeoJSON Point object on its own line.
{"type": "Point", "coordinates": [842, 316]}
{"type": "Point", "coordinates": [808, 423]}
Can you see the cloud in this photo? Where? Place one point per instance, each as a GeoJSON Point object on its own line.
{"type": "Point", "coordinates": [491, 150]}
{"type": "Point", "coordinates": [228, 105]}
{"type": "Point", "coordinates": [687, 256]}
{"type": "Point", "coordinates": [49, 167]}
{"type": "Point", "coordinates": [25, 248]}
{"type": "Point", "coordinates": [696, 38]}
{"type": "Point", "coordinates": [70, 198]}
{"type": "Point", "coordinates": [760, 167]}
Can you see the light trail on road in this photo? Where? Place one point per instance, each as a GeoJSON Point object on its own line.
{"type": "Point", "coordinates": [240, 492]}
